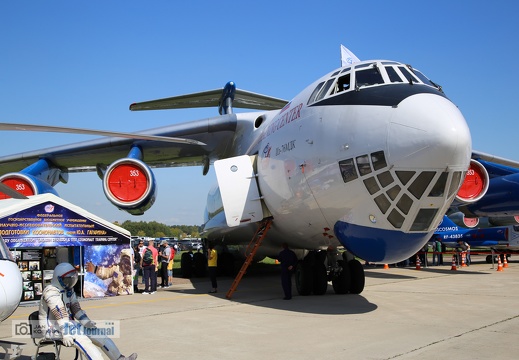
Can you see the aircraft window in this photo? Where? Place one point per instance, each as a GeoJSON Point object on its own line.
{"type": "Point", "coordinates": [396, 219]}
{"type": "Point", "coordinates": [379, 160]}
{"type": "Point", "coordinates": [314, 93]}
{"type": "Point", "coordinates": [382, 203]}
{"type": "Point", "coordinates": [371, 185]}
{"type": "Point", "coordinates": [439, 188]}
{"type": "Point", "coordinates": [368, 77]}
{"type": "Point", "coordinates": [335, 73]}
{"type": "Point", "coordinates": [405, 176]}
{"type": "Point", "coordinates": [393, 192]}
{"type": "Point", "coordinates": [362, 66]}
{"type": "Point", "coordinates": [363, 165]}
{"type": "Point", "coordinates": [343, 83]}
{"type": "Point", "coordinates": [393, 76]}
{"type": "Point", "coordinates": [390, 63]}
{"type": "Point", "coordinates": [516, 228]}
{"type": "Point", "coordinates": [348, 170]}
{"type": "Point", "coordinates": [405, 203]}
{"type": "Point", "coordinates": [418, 186]}
{"type": "Point", "coordinates": [385, 178]}
{"type": "Point", "coordinates": [324, 90]}
{"type": "Point", "coordinates": [424, 78]}
{"type": "Point", "coordinates": [424, 219]}
{"type": "Point", "coordinates": [407, 74]}
{"type": "Point", "coordinates": [345, 70]}
{"type": "Point", "coordinates": [455, 183]}
{"type": "Point", "coordinates": [5, 254]}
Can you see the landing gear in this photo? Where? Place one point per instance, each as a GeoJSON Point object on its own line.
{"type": "Point", "coordinates": [312, 275]}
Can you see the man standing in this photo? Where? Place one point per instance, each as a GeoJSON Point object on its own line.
{"type": "Point", "coordinates": [149, 265]}
{"type": "Point", "coordinates": [288, 260]}
{"type": "Point", "coordinates": [212, 261]}
{"type": "Point", "coordinates": [164, 260]}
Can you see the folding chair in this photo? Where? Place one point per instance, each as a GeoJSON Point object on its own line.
{"type": "Point", "coordinates": [40, 341]}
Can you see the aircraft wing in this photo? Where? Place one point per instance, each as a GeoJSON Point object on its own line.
{"type": "Point", "coordinates": [215, 133]}
{"type": "Point", "coordinates": [494, 159]}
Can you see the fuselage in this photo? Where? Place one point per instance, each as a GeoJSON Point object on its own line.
{"type": "Point", "coordinates": [10, 282]}
{"type": "Point", "coordinates": [369, 156]}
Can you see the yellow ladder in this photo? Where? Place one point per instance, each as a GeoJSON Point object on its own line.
{"type": "Point", "coordinates": [251, 250]}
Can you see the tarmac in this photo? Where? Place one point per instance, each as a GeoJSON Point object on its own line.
{"type": "Point", "coordinates": [403, 313]}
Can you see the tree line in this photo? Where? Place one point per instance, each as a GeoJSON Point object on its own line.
{"type": "Point", "coordinates": [158, 230]}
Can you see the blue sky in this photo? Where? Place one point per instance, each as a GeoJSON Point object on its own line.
{"type": "Point", "coordinates": [82, 63]}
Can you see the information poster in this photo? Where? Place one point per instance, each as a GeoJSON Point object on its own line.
{"type": "Point", "coordinates": [30, 264]}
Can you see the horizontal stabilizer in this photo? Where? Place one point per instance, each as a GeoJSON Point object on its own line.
{"type": "Point", "coordinates": [242, 99]}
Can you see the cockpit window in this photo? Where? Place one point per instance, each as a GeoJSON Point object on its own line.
{"type": "Point", "coordinates": [424, 78]}
{"type": "Point", "coordinates": [324, 90]}
{"type": "Point", "coordinates": [407, 74]}
{"type": "Point", "coordinates": [368, 77]}
{"type": "Point", "coordinates": [393, 76]}
{"type": "Point", "coordinates": [315, 92]}
{"type": "Point", "coordinates": [343, 84]}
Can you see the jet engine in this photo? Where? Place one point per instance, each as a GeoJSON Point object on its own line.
{"type": "Point", "coordinates": [130, 185]}
{"type": "Point", "coordinates": [25, 184]}
{"type": "Point", "coordinates": [475, 184]}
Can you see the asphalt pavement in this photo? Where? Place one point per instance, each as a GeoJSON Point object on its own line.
{"type": "Point", "coordinates": [403, 313]}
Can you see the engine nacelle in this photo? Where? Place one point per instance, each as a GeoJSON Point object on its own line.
{"type": "Point", "coordinates": [475, 184]}
{"type": "Point", "coordinates": [130, 185]}
{"type": "Point", "coordinates": [25, 184]}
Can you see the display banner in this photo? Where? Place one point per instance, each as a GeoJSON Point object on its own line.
{"type": "Point", "coordinates": [49, 225]}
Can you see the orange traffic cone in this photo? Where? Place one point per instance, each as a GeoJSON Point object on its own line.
{"type": "Point", "coordinates": [418, 263]}
{"type": "Point", "coordinates": [463, 259]}
{"type": "Point", "coordinates": [499, 266]}
{"type": "Point", "coordinates": [386, 266]}
{"type": "Point", "coordinates": [453, 267]}
{"type": "Point", "coordinates": [505, 263]}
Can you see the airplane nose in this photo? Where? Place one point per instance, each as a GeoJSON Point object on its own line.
{"type": "Point", "coordinates": [10, 288]}
{"type": "Point", "coordinates": [429, 129]}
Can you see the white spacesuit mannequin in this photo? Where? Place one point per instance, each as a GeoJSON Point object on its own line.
{"type": "Point", "coordinates": [60, 311]}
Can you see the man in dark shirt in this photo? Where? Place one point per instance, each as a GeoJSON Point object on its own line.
{"type": "Point", "coordinates": [288, 260]}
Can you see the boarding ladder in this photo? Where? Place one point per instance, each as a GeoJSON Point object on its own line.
{"type": "Point", "coordinates": [251, 250]}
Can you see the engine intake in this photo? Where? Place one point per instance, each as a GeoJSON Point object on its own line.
{"type": "Point", "coordinates": [130, 185]}
{"type": "Point", "coordinates": [475, 184]}
{"type": "Point", "coordinates": [25, 184]}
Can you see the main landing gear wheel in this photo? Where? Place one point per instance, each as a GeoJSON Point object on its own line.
{"type": "Point", "coordinates": [358, 278]}
{"type": "Point", "coordinates": [342, 282]}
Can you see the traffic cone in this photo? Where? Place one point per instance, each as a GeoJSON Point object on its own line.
{"type": "Point", "coordinates": [453, 267]}
{"type": "Point", "coordinates": [505, 263]}
{"type": "Point", "coordinates": [499, 266]}
{"type": "Point", "coordinates": [386, 266]}
{"type": "Point", "coordinates": [418, 263]}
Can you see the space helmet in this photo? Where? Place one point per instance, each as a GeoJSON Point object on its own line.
{"type": "Point", "coordinates": [65, 276]}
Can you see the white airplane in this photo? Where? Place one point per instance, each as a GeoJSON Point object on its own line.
{"type": "Point", "coordinates": [370, 157]}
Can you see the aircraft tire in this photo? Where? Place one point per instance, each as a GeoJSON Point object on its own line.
{"type": "Point", "coordinates": [341, 284]}
{"type": "Point", "coordinates": [226, 264]}
{"type": "Point", "coordinates": [199, 264]}
{"type": "Point", "coordinates": [186, 265]}
{"type": "Point", "coordinates": [488, 259]}
{"type": "Point", "coordinates": [320, 279]}
{"type": "Point", "coordinates": [358, 278]}
{"type": "Point", "coordinates": [304, 278]}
